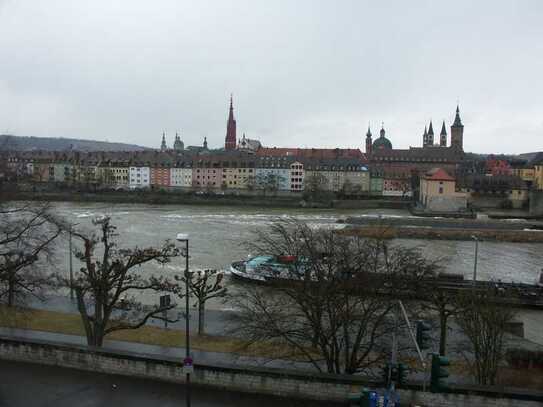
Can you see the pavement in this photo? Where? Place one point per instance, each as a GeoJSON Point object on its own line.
{"type": "Point", "coordinates": [30, 385]}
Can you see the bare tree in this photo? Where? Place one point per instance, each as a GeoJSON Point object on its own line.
{"type": "Point", "coordinates": [268, 182]}
{"type": "Point", "coordinates": [204, 285]}
{"type": "Point", "coordinates": [316, 187]}
{"type": "Point", "coordinates": [484, 321]}
{"type": "Point", "coordinates": [333, 306]}
{"type": "Point", "coordinates": [27, 233]}
{"type": "Point", "coordinates": [107, 285]}
{"type": "Point", "coordinates": [445, 304]}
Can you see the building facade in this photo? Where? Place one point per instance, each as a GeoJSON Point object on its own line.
{"type": "Point", "coordinates": [438, 192]}
{"type": "Point", "coordinates": [139, 176]}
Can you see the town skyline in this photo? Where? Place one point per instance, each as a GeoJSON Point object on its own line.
{"type": "Point", "coordinates": [304, 74]}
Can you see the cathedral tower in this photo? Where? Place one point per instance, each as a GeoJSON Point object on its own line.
{"type": "Point", "coordinates": [230, 140]}
{"type": "Point", "coordinates": [443, 136]}
{"type": "Point", "coordinates": [369, 141]}
{"type": "Point", "coordinates": [178, 145]}
{"type": "Point", "coordinates": [163, 146]}
{"type": "Point", "coordinates": [457, 132]}
{"type": "Point", "coordinates": [430, 135]}
{"type": "Point", "coordinates": [425, 137]}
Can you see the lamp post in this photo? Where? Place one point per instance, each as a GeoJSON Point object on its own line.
{"type": "Point", "coordinates": [475, 261]}
{"type": "Point", "coordinates": [183, 237]}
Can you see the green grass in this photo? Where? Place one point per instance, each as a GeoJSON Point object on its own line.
{"type": "Point", "coordinates": [64, 323]}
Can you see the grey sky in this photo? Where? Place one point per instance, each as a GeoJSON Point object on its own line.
{"type": "Point", "coordinates": [307, 73]}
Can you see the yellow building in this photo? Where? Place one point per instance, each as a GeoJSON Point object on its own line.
{"type": "Point", "coordinates": [237, 178]}
{"type": "Point", "coordinates": [525, 174]}
{"type": "Point", "coordinates": [112, 176]}
{"type": "Point", "coordinates": [538, 172]}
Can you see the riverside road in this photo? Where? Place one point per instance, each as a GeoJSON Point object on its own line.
{"type": "Point", "coordinates": [29, 385]}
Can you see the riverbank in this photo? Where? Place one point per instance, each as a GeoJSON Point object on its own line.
{"type": "Point", "coordinates": [413, 232]}
{"type": "Point", "coordinates": [212, 199]}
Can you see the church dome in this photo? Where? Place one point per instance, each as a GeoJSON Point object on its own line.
{"type": "Point", "coordinates": [382, 143]}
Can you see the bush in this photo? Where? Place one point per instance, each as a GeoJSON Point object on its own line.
{"type": "Point", "coordinates": [506, 204]}
{"type": "Point", "coordinates": [523, 358]}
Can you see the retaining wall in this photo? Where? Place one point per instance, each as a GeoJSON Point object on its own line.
{"type": "Point", "coordinates": [246, 379]}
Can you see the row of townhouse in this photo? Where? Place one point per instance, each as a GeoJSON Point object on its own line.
{"type": "Point", "coordinates": [238, 171]}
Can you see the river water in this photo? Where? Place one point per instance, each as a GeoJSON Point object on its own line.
{"type": "Point", "coordinates": [218, 236]}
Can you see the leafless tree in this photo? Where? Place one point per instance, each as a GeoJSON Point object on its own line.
{"type": "Point", "coordinates": [27, 233]}
{"type": "Point", "coordinates": [204, 285]}
{"type": "Point", "coordinates": [484, 320]}
{"type": "Point", "coordinates": [316, 187]}
{"type": "Point", "coordinates": [445, 304]}
{"type": "Point", "coordinates": [109, 282]}
{"type": "Point", "coordinates": [333, 308]}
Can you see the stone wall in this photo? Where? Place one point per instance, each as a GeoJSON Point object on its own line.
{"type": "Point", "coordinates": [446, 203]}
{"type": "Point", "coordinates": [255, 380]}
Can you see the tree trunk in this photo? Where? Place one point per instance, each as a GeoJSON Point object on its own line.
{"type": "Point", "coordinates": [97, 337]}
{"type": "Point", "coordinates": [442, 333]}
{"type": "Point", "coordinates": [201, 317]}
{"type": "Point", "coordinates": [11, 290]}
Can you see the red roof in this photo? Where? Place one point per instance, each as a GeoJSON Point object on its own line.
{"type": "Point", "coordinates": [320, 153]}
{"type": "Point", "coordinates": [438, 174]}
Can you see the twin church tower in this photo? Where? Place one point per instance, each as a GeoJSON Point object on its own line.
{"type": "Point", "coordinates": [457, 137]}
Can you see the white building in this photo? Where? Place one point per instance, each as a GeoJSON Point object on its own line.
{"type": "Point", "coordinates": [139, 177]}
{"type": "Point", "coordinates": [296, 176]}
{"type": "Point", "coordinates": [181, 177]}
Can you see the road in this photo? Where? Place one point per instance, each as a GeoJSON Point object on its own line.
{"type": "Point", "coordinates": [30, 385]}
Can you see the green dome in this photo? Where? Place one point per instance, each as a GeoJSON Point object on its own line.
{"type": "Point", "coordinates": [382, 143]}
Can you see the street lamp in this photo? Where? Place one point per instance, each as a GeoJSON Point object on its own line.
{"type": "Point", "coordinates": [183, 237]}
{"type": "Point", "coordinates": [475, 261]}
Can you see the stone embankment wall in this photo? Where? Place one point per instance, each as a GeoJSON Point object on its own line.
{"type": "Point", "coordinates": [247, 198]}
{"type": "Point", "coordinates": [254, 380]}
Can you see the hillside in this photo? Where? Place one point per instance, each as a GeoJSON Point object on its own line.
{"type": "Point", "coordinates": [17, 143]}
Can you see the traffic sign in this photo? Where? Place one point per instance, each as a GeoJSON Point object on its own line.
{"type": "Point", "coordinates": [188, 367]}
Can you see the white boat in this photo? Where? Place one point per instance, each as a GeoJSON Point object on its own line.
{"type": "Point", "coordinates": [265, 269]}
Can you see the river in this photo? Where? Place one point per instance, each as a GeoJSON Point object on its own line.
{"type": "Point", "coordinates": [218, 234]}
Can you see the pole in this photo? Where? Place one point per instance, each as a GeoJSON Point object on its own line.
{"type": "Point", "coordinates": [475, 261]}
{"type": "Point", "coordinates": [187, 319]}
{"type": "Point", "coordinates": [393, 356]}
{"type": "Point", "coordinates": [71, 266]}
{"type": "Point", "coordinates": [421, 357]}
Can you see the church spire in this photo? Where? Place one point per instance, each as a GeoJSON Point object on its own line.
{"type": "Point", "coordinates": [431, 134]}
{"type": "Point", "coordinates": [457, 120]}
{"type": "Point", "coordinates": [369, 142]}
{"type": "Point", "coordinates": [230, 139]}
{"type": "Point", "coordinates": [443, 136]}
{"type": "Point", "coordinates": [457, 132]}
{"type": "Point", "coordinates": [425, 137]}
{"type": "Point", "coordinates": [163, 146]}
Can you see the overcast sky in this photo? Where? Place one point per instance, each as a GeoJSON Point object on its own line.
{"type": "Point", "coordinates": [303, 73]}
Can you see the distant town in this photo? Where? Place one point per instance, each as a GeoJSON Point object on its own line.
{"type": "Point", "coordinates": [438, 175]}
